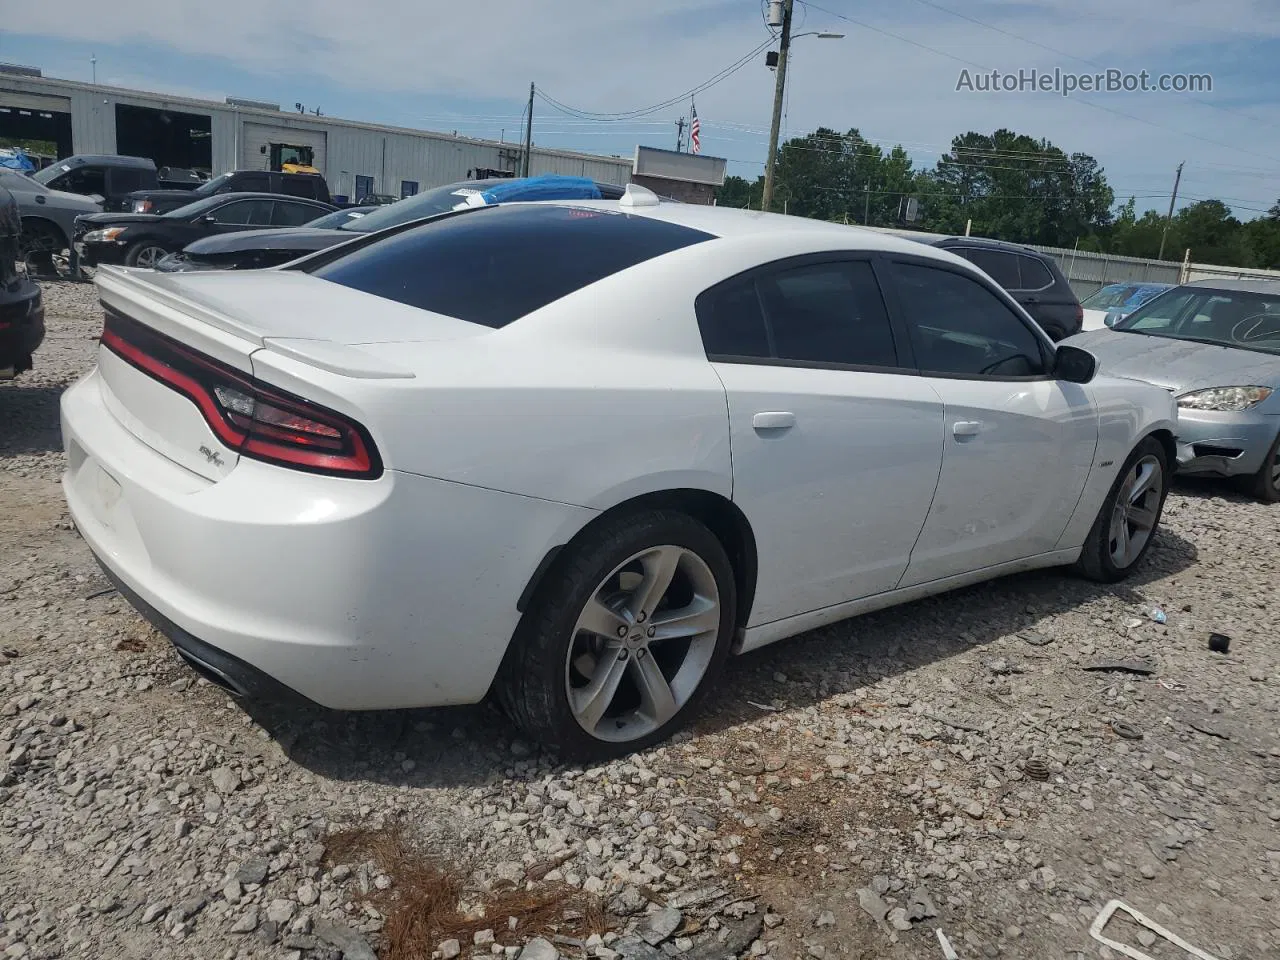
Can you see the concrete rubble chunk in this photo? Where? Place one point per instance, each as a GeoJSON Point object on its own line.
{"type": "Point", "coordinates": [659, 925]}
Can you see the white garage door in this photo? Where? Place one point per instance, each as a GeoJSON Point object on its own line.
{"type": "Point", "coordinates": [255, 146]}
{"type": "Point", "coordinates": [34, 102]}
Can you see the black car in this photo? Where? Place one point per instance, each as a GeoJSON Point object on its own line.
{"type": "Point", "coordinates": [142, 239]}
{"type": "Point", "coordinates": [1031, 277]}
{"type": "Point", "coordinates": [21, 305]}
{"type": "Point", "coordinates": [272, 248]}
{"type": "Point", "coordinates": [310, 186]}
{"type": "Point", "coordinates": [111, 177]}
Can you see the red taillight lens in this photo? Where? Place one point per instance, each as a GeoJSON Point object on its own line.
{"type": "Point", "coordinates": [248, 416]}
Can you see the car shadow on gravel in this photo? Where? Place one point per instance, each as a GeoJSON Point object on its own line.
{"type": "Point", "coordinates": [29, 419]}
{"type": "Point", "coordinates": [476, 745]}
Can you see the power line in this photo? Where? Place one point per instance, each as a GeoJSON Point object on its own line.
{"type": "Point", "coordinates": [722, 75]}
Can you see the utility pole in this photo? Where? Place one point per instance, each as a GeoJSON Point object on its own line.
{"type": "Point", "coordinates": [1168, 220]}
{"type": "Point", "coordinates": [779, 89]}
{"type": "Point", "coordinates": [528, 135]}
{"type": "Point", "coordinates": [866, 209]}
{"type": "Point", "coordinates": [93, 62]}
{"type": "Point", "coordinates": [680, 135]}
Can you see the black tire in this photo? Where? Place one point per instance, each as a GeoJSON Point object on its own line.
{"type": "Point", "coordinates": [131, 255]}
{"type": "Point", "coordinates": [1265, 485]}
{"type": "Point", "coordinates": [1096, 561]}
{"type": "Point", "coordinates": [39, 242]}
{"type": "Point", "coordinates": [532, 685]}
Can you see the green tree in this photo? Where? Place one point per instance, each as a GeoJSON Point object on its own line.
{"type": "Point", "coordinates": [740, 192]}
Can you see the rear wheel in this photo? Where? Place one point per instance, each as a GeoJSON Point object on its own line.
{"type": "Point", "coordinates": [40, 241]}
{"type": "Point", "coordinates": [1265, 484]}
{"type": "Point", "coordinates": [1127, 522]}
{"type": "Point", "coordinates": [624, 639]}
{"type": "Point", "coordinates": [145, 254]}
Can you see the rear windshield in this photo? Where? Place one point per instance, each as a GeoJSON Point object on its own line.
{"type": "Point", "coordinates": [493, 265]}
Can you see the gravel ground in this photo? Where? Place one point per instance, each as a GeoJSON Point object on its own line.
{"type": "Point", "coordinates": [956, 764]}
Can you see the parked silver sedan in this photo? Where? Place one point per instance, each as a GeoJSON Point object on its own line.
{"type": "Point", "coordinates": [1216, 345]}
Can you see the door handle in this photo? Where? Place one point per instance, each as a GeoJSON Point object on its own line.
{"type": "Point", "coordinates": [774, 420]}
{"type": "Point", "coordinates": [40, 199]}
{"type": "Point", "coordinates": [964, 429]}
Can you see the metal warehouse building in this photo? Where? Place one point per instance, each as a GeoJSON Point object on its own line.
{"type": "Point", "coordinates": [355, 158]}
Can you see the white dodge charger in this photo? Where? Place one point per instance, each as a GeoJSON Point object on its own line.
{"type": "Point", "coordinates": [575, 454]}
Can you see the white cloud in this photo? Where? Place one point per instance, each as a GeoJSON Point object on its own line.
{"type": "Point", "coordinates": [617, 54]}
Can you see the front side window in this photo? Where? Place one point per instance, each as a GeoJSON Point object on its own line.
{"type": "Point", "coordinates": [960, 328]}
{"type": "Point", "coordinates": [85, 180]}
{"type": "Point", "coordinates": [493, 265]}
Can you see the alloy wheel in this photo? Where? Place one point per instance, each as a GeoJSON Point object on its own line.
{"type": "Point", "coordinates": [1136, 510]}
{"type": "Point", "coordinates": [643, 643]}
{"type": "Point", "coordinates": [148, 257]}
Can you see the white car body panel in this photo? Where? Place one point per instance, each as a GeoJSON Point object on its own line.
{"type": "Point", "coordinates": [837, 500]}
{"type": "Point", "coordinates": [1015, 457]}
{"type": "Point", "coordinates": [1094, 319]}
{"type": "Point", "coordinates": [500, 446]}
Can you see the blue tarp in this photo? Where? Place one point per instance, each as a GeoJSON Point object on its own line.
{"type": "Point", "coordinates": [549, 187]}
{"type": "Point", "coordinates": [15, 160]}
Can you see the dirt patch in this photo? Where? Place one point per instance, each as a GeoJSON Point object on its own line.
{"type": "Point", "coordinates": [430, 900]}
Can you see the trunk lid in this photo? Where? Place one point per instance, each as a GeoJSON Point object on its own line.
{"type": "Point", "coordinates": [227, 318]}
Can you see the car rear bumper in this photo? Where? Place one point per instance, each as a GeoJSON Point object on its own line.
{"type": "Point", "coordinates": [356, 595]}
{"type": "Point", "coordinates": [21, 326]}
{"type": "Point", "coordinates": [1224, 444]}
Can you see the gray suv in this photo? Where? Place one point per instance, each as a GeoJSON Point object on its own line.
{"type": "Point", "coordinates": [48, 217]}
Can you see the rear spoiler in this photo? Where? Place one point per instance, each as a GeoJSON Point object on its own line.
{"type": "Point", "coordinates": [130, 292]}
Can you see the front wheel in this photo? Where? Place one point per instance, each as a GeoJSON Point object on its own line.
{"type": "Point", "coordinates": [624, 638]}
{"type": "Point", "coordinates": [144, 254]}
{"type": "Point", "coordinates": [1130, 516]}
{"type": "Point", "coordinates": [1265, 484]}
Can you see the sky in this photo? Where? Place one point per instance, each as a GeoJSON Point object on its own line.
{"type": "Point", "coordinates": [894, 75]}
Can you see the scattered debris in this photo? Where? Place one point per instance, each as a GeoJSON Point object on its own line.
{"type": "Point", "coordinates": [101, 593]}
{"type": "Point", "coordinates": [1132, 623]}
{"type": "Point", "coordinates": [659, 925]}
{"type": "Point", "coordinates": [352, 944]}
{"type": "Point", "coordinates": [1209, 728]}
{"type": "Point", "coordinates": [870, 902]}
{"type": "Point", "coordinates": [1142, 668]}
{"type": "Point", "coordinates": [1158, 615]}
{"type": "Point", "coordinates": [921, 906]}
{"type": "Point", "coordinates": [1037, 768]}
{"type": "Point", "coordinates": [539, 870]}
{"type": "Point", "coordinates": [1219, 642]}
{"type": "Point", "coordinates": [1035, 638]}
{"type": "Point", "coordinates": [1128, 731]}
{"type": "Point", "coordinates": [763, 706]}
{"type": "Point", "coordinates": [1095, 931]}
{"type": "Point", "coordinates": [948, 951]}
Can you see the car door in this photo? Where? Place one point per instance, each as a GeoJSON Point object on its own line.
{"type": "Point", "coordinates": [1037, 291]}
{"type": "Point", "coordinates": [1018, 444]}
{"type": "Point", "coordinates": [836, 446]}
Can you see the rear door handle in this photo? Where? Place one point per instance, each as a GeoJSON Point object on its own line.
{"type": "Point", "coordinates": [774, 420]}
{"type": "Point", "coordinates": [964, 429]}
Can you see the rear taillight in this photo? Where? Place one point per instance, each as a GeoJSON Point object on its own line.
{"type": "Point", "coordinates": [142, 206]}
{"type": "Point", "coordinates": [248, 416]}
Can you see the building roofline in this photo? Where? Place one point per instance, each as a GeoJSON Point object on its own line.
{"type": "Point", "coordinates": [21, 80]}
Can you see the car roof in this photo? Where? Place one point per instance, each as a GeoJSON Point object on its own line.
{"type": "Point", "coordinates": [104, 159]}
{"type": "Point", "coordinates": [989, 244]}
{"type": "Point", "coordinates": [262, 195]}
{"type": "Point", "coordinates": [728, 222]}
{"type": "Point", "coordinates": [1238, 285]}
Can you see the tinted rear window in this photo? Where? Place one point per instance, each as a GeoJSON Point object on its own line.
{"type": "Point", "coordinates": [493, 265]}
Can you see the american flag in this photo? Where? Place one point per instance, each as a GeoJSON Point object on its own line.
{"type": "Point", "coordinates": [695, 132]}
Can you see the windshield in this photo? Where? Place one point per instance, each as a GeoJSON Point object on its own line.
{"type": "Point", "coordinates": [208, 188]}
{"type": "Point", "coordinates": [426, 204]}
{"type": "Point", "coordinates": [50, 172]}
{"type": "Point", "coordinates": [193, 209]}
{"type": "Point", "coordinates": [1112, 296]}
{"type": "Point", "coordinates": [331, 221]}
{"type": "Point", "coordinates": [1230, 318]}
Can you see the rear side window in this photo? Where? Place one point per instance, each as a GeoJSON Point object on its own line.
{"type": "Point", "coordinates": [493, 265]}
{"type": "Point", "coordinates": [289, 214]}
{"type": "Point", "coordinates": [251, 183]}
{"type": "Point", "coordinates": [816, 313]}
{"type": "Point", "coordinates": [1035, 275]}
{"type": "Point", "coordinates": [1000, 267]}
{"type": "Point", "coordinates": [126, 180]}
{"type": "Point", "coordinates": [300, 187]}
